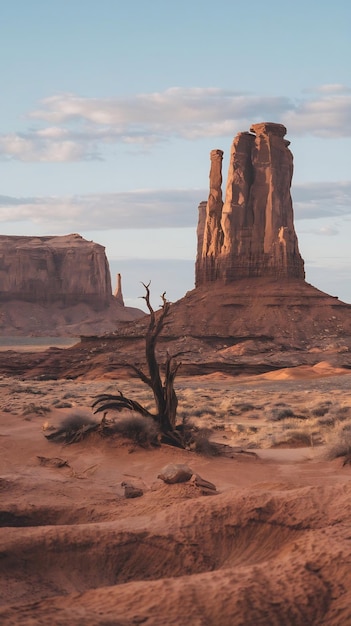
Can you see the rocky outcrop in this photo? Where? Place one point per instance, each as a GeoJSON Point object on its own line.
{"type": "Point", "coordinates": [58, 286]}
{"type": "Point", "coordinates": [252, 234]}
{"type": "Point", "coordinates": [118, 291]}
{"type": "Point", "coordinates": [45, 270]}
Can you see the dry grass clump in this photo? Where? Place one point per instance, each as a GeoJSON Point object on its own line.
{"type": "Point", "coordinates": [80, 423]}
{"type": "Point", "coordinates": [36, 409]}
{"type": "Point", "coordinates": [341, 448]}
{"type": "Point", "coordinates": [140, 430]}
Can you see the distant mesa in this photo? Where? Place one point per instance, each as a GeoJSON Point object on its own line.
{"type": "Point", "coordinates": [67, 269]}
{"type": "Point", "coordinates": [57, 285]}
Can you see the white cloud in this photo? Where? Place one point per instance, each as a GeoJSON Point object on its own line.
{"type": "Point", "coordinates": [326, 231]}
{"type": "Point", "coordinates": [328, 116]}
{"type": "Point", "coordinates": [316, 200]}
{"type": "Point", "coordinates": [42, 146]}
{"type": "Point", "coordinates": [329, 88]}
{"type": "Point", "coordinates": [168, 208]}
{"type": "Point", "coordinates": [79, 127]}
{"type": "Point", "coordinates": [141, 209]}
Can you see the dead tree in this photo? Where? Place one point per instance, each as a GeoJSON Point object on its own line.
{"type": "Point", "coordinates": [163, 390]}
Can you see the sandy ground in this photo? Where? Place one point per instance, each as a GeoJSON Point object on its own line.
{"type": "Point", "coordinates": [273, 547]}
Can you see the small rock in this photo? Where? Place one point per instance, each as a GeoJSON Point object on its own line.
{"type": "Point", "coordinates": [52, 461]}
{"type": "Point", "coordinates": [205, 484]}
{"type": "Point", "coordinates": [175, 473]}
{"type": "Point", "coordinates": [130, 491]}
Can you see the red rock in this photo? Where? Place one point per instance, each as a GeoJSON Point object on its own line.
{"type": "Point", "coordinates": [57, 286]}
{"type": "Point", "coordinates": [252, 234]}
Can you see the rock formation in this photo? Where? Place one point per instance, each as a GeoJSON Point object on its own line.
{"type": "Point", "coordinates": [65, 269]}
{"type": "Point", "coordinates": [57, 285]}
{"type": "Point", "coordinates": [118, 291]}
{"type": "Point", "coordinates": [252, 234]}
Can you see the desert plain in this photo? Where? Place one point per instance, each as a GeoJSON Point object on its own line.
{"type": "Point", "coordinates": [271, 546]}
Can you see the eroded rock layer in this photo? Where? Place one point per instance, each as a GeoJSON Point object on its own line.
{"type": "Point", "coordinates": [57, 286]}
{"type": "Point", "coordinates": [68, 269]}
{"type": "Point", "coordinates": [252, 234]}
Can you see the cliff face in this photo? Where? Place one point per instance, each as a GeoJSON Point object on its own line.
{"type": "Point", "coordinates": [252, 234]}
{"type": "Point", "coordinates": [45, 270]}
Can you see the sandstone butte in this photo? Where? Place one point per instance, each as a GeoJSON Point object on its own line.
{"type": "Point", "coordinates": [251, 301]}
{"type": "Point", "coordinates": [57, 286]}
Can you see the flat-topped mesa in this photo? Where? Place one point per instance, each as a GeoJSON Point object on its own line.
{"type": "Point", "coordinates": [252, 234]}
{"type": "Point", "coordinates": [65, 269]}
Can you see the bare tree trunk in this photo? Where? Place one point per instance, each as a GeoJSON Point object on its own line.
{"type": "Point", "coordinates": [165, 397]}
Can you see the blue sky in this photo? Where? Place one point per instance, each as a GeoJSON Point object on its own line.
{"type": "Point", "coordinates": [109, 109]}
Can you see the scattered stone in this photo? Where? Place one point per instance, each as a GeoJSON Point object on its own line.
{"type": "Point", "coordinates": [206, 488]}
{"type": "Point", "coordinates": [131, 491]}
{"type": "Point", "coordinates": [175, 473]}
{"type": "Point", "coordinates": [201, 482]}
{"type": "Point", "coordinates": [52, 461]}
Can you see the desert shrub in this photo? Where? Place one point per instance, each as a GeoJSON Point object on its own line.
{"type": "Point", "coordinates": [295, 439]}
{"type": "Point", "coordinates": [38, 409]}
{"type": "Point", "coordinates": [341, 447]}
{"type": "Point", "coordinates": [281, 414]}
{"type": "Point", "coordinates": [342, 412]}
{"type": "Point", "coordinates": [204, 411]}
{"type": "Point", "coordinates": [202, 444]}
{"type": "Point", "coordinates": [60, 404]}
{"type": "Point", "coordinates": [141, 430]}
{"type": "Point", "coordinates": [32, 390]}
{"type": "Point", "coordinates": [327, 421]}
{"type": "Point", "coordinates": [76, 420]}
{"type": "Point", "coordinates": [73, 428]}
{"type": "Point", "coordinates": [246, 406]}
{"type": "Point", "coordinates": [321, 409]}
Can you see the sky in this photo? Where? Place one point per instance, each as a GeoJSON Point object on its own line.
{"type": "Point", "coordinates": [109, 110]}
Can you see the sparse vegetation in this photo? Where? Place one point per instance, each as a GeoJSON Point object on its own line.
{"type": "Point", "coordinates": [165, 398]}
{"type": "Point", "coordinates": [341, 448]}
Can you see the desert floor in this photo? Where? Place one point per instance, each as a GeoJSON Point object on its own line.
{"type": "Point", "coordinates": [272, 547]}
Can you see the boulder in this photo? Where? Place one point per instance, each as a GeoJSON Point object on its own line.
{"type": "Point", "coordinates": [131, 491]}
{"type": "Point", "coordinates": [175, 473]}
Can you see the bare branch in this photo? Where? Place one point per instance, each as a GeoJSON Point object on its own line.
{"type": "Point", "coordinates": [141, 375]}
{"type": "Point", "coordinates": [147, 298]}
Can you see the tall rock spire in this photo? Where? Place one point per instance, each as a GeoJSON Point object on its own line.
{"type": "Point", "coordinates": [255, 234]}
{"type": "Point", "coordinates": [118, 291]}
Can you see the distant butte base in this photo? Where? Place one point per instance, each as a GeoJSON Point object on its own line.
{"type": "Point", "coordinates": [247, 327]}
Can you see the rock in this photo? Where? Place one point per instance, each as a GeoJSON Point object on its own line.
{"type": "Point", "coordinates": [131, 491]}
{"type": "Point", "coordinates": [65, 269]}
{"type": "Point", "coordinates": [175, 473]}
{"type": "Point", "coordinates": [118, 291]}
{"type": "Point", "coordinates": [212, 233]}
{"type": "Point", "coordinates": [52, 461]}
{"type": "Point", "coordinates": [252, 234]}
{"type": "Point", "coordinates": [206, 487]}
{"type": "Point", "coordinates": [57, 285]}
